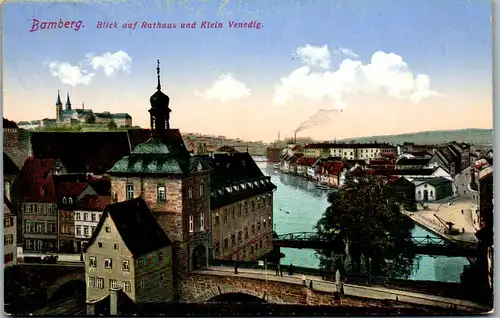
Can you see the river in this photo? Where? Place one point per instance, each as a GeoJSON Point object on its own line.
{"type": "Point", "coordinates": [298, 205]}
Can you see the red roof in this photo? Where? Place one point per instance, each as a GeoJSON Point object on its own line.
{"type": "Point", "coordinates": [306, 161]}
{"type": "Point", "coordinates": [71, 188]}
{"type": "Point", "coordinates": [35, 183]}
{"type": "Point", "coordinates": [94, 202]}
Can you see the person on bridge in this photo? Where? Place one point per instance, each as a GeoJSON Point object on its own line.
{"type": "Point", "coordinates": [311, 284]}
{"type": "Point", "coordinates": [304, 280]}
{"type": "Point", "coordinates": [281, 271]}
{"type": "Point", "coordinates": [278, 269]}
{"type": "Point", "coordinates": [236, 268]}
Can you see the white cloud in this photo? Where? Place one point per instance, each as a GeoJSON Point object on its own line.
{"type": "Point", "coordinates": [343, 51]}
{"type": "Point", "coordinates": [224, 89]}
{"type": "Point", "coordinates": [386, 72]}
{"type": "Point", "coordinates": [111, 63]}
{"type": "Point", "coordinates": [318, 56]}
{"type": "Point", "coordinates": [70, 74]}
{"type": "Point", "coordinates": [83, 72]}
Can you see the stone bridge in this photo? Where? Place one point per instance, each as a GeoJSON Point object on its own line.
{"type": "Point", "coordinates": [75, 276]}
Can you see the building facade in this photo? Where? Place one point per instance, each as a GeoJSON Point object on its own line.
{"type": "Point", "coordinates": [241, 207]}
{"type": "Point", "coordinates": [87, 217]}
{"type": "Point", "coordinates": [9, 234]}
{"type": "Point", "coordinates": [131, 252]}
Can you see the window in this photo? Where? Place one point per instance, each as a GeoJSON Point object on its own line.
{"type": "Point", "coordinates": [160, 256]}
{"type": "Point", "coordinates": [258, 226]}
{"type": "Point", "coordinates": [78, 216]}
{"type": "Point", "coordinates": [240, 236]}
{"type": "Point", "coordinates": [100, 282]}
{"type": "Point", "coordinates": [28, 225]}
{"type": "Point", "coordinates": [126, 287]}
{"type": "Point", "coordinates": [202, 221]}
{"type": "Point", "coordinates": [99, 244]}
{"type": "Point", "coordinates": [29, 244]}
{"type": "Point", "coordinates": [161, 194]}
{"type": "Point", "coordinates": [64, 200]}
{"type": "Point", "coordinates": [108, 229]}
{"type": "Point", "coordinates": [253, 229]}
{"type": "Point", "coordinates": [8, 239]}
{"type": "Point", "coordinates": [141, 285]}
{"type": "Point", "coordinates": [113, 283]}
{"type": "Point", "coordinates": [233, 239]}
{"type": "Point", "coordinates": [246, 232]}
{"type": "Point", "coordinates": [78, 230]}
{"type": "Point", "coordinates": [108, 263]}
{"type": "Point", "coordinates": [125, 267]}
{"type": "Point", "coordinates": [92, 230]}
{"type": "Point", "coordinates": [92, 261]}
{"type": "Point", "coordinates": [51, 228]}
{"type": "Point", "coordinates": [162, 276]}
{"type": "Point", "coordinates": [7, 222]}
{"type": "Point", "coordinates": [116, 247]}
{"type": "Point", "coordinates": [40, 227]}
{"type": "Point", "coordinates": [129, 191]}
{"type": "Point", "coordinates": [86, 231]}
{"type": "Point", "coordinates": [226, 243]}
{"type": "Point", "coordinates": [39, 245]}
{"type": "Point", "coordinates": [217, 220]}
{"type": "Point", "coordinates": [70, 200]}
{"type": "Point", "coordinates": [141, 262]}
{"type": "Point", "coordinates": [202, 188]}
{"type": "Point", "coordinates": [94, 217]}
{"type": "Point", "coordinates": [91, 281]}
{"type": "Point", "coordinates": [191, 224]}
{"type": "Point", "coordinates": [190, 192]}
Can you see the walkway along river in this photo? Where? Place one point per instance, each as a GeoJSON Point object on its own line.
{"type": "Point", "coordinates": [298, 205]}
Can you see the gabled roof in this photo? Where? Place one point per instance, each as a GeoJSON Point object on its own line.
{"type": "Point", "coordinates": [8, 207]}
{"type": "Point", "coordinates": [101, 186]}
{"type": "Point", "coordinates": [94, 203]}
{"type": "Point", "coordinates": [412, 162]}
{"type": "Point", "coordinates": [17, 155]}
{"type": "Point", "coordinates": [136, 225]}
{"type": "Point", "coordinates": [138, 136]}
{"type": "Point", "coordinates": [9, 167]}
{"type": "Point", "coordinates": [435, 182]}
{"type": "Point", "coordinates": [73, 189]}
{"type": "Point", "coordinates": [82, 152]}
{"type": "Point", "coordinates": [9, 123]}
{"type": "Point", "coordinates": [35, 183]}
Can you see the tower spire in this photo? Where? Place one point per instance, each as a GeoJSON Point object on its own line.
{"type": "Point", "coordinates": [68, 103]}
{"type": "Point", "coordinates": [58, 102]}
{"type": "Point", "coordinates": [158, 72]}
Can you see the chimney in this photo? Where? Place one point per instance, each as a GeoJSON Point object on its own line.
{"type": "Point", "coordinates": [295, 138]}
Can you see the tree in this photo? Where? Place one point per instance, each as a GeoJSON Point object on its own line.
{"type": "Point", "coordinates": [90, 118]}
{"type": "Point", "coordinates": [112, 125]}
{"type": "Point", "coordinates": [364, 222]}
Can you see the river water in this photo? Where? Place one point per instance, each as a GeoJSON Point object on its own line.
{"type": "Point", "coordinates": [298, 205]}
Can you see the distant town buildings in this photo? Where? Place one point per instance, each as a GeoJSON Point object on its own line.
{"type": "Point", "coordinates": [9, 234]}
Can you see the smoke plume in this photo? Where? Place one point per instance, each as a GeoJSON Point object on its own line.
{"type": "Point", "coordinates": [320, 118]}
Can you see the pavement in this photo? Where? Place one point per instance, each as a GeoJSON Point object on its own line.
{"type": "Point", "coordinates": [374, 292]}
{"type": "Point", "coordinates": [460, 210]}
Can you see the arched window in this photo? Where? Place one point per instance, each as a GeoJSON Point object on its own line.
{"type": "Point", "coordinates": [64, 200]}
{"type": "Point", "coordinates": [70, 200]}
{"type": "Point", "coordinates": [419, 194]}
{"type": "Point", "coordinates": [431, 194]}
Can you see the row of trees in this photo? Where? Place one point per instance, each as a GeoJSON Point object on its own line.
{"type": "Point", "coordinates": [366, 230]}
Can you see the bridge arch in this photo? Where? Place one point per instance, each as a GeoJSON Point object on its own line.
{"type": "Point", "coordinates": [63, 281]}
{"type": "Point", "coordinates": [215, 292]}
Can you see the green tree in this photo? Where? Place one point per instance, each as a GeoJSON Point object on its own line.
{"type": "Point", "coordinates": [364, 222]}
{"type": "Point", "coordinates": [90, 118]}
{"type": "Point", "coordinates": [112, 125]}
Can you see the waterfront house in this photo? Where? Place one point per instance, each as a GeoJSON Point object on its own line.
{"type": "Point", "coordinates": [9, 234]}
{"type": "Point", "coordinates": [403, 188]}
{"type": "Point", "coordinates": [303, 165]}
{"type": "Point", "coordinates": [130, 251]}
{"type": "Point", "coordinates": [292, 165]}
{"type": "Point", "coordinates": [330, 172]}
{"type": "Point", "coordinates": [432, 189]}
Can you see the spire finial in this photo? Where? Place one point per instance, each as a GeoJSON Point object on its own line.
{"type": "Point", "coordinates": [58, 102]}
{"type": "Point", "coordinates": [158, 72]}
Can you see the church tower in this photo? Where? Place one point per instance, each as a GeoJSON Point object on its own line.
{"type": "Point", "coordinates": [174, 185]}
{"type": "Point", "coordinates": [68, 103]}
{"type": "Point", "coordinates": [58, 108]}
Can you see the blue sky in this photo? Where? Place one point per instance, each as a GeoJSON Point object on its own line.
{"type": "Point", "coordinates": [448, 40]}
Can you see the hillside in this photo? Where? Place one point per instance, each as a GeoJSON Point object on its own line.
{"type": "Point", "coordinates": [475, 136]}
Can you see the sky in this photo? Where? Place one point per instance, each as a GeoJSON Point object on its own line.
{"type": "Point", "coordinates": [327, 69]}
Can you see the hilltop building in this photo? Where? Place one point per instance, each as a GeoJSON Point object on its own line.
{"type": "Point", "coordinates": [69, 115]}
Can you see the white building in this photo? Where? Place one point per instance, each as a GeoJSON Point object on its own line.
{"type": "Point", "coordinates": [89, 212]}
{"type": "Point", "coordinates": [9, 235]}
